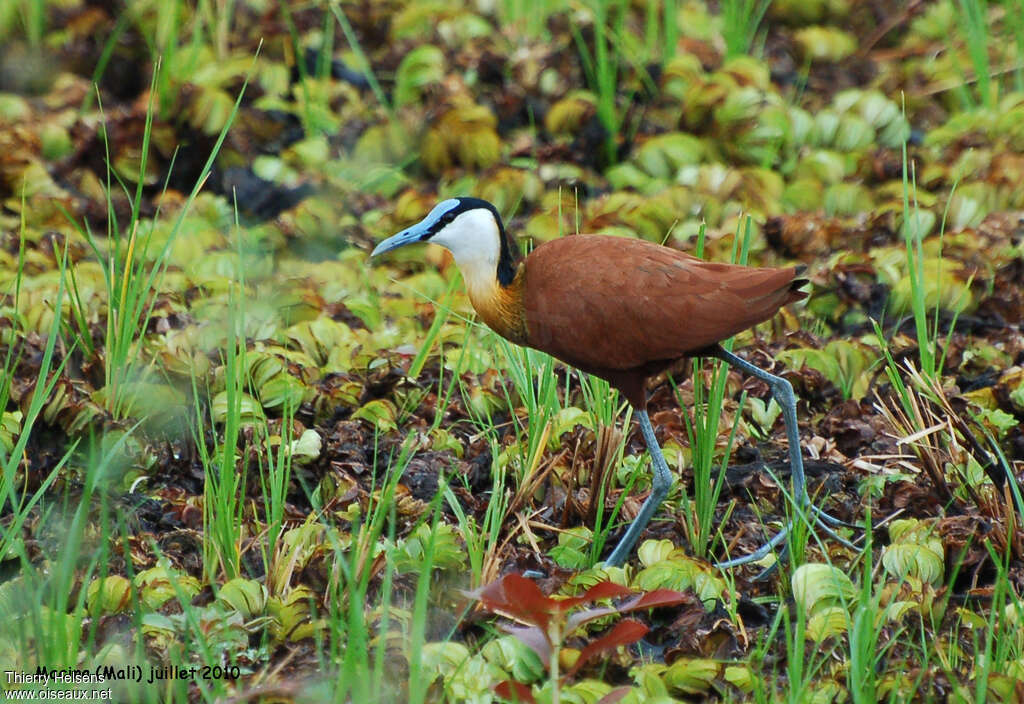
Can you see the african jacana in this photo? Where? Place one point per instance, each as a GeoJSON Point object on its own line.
{"type": "Point", "coordinates": [621, 309]}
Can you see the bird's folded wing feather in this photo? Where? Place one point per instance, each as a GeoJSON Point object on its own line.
{"type": "Point", "coordinates": [614, 303]}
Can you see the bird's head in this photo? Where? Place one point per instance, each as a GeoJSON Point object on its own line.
{"type": "Point", "coordinates": [471, 229]}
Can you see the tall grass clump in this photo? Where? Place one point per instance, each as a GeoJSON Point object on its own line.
{"type": "Point", "coordinates": [602, 67]}
{"type": "Point", "coordinates": [529, 17]}
{"type": "Point", "coordinates": [357, 638]}
{"type": "Point", "coordinates": [482, 538]}
{"type": "Point", "coordinates": [51, 607]}
{"type": "Point", "coordinates": [702, 431]}
{"type": "Point", "coordinates": [28, 15]}
{"type": "Point", "coordinates": [931, 356]}
{"type": "Point", "coordinates": [741, 21]}
{"type": "Point", "coordinates": [133, 270]}
{"type": "Point", "coordinates": [14, 502]}
{"type": "Point", "coordinates": [224, 486]}
{"type": "Point", "coordinates": [973, 16]}
{"type": "Point", "coordinates": [1014, 18]}
{"type": "Point", "coordinates": [663, 30]}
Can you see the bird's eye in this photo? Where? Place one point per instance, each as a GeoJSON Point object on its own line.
{"type": "Point", "coordinates": [448, 217]}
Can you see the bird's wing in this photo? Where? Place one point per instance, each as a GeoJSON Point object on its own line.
{"type": "Point", "coordinates": [603, 302]}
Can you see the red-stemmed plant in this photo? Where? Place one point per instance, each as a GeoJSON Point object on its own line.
{"type": "Point", "coordinates": [548, 621]}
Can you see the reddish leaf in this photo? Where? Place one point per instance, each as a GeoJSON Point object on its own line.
{"type": "Point", "coordinates": [615, 695]}
{"type": "Point", "coordinates": [655, 599]}
{"type": "Point", "coordinates": [623, 633]}
{"type": "Point", "coordinates": [514, 692]}
{"type": "Point", "coordinates": [650, 600]}
{"type": "Point", "coordinates": [518, 598]}
{"type": "Point", "coordinates": [601, 590]}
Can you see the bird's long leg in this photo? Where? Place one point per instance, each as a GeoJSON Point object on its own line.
{"type": "Point", "coordinates": [661, 482]}
{"type": "Point", "coordinates": [782, 391]}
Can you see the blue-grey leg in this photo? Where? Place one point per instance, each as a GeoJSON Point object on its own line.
{"type": "Point", "coordinates": [782, 391]}
{"type": "Point", "coordinates": [661, 482]}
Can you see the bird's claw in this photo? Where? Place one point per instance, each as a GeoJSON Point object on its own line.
{"type": "Point", "coordinates": [825, 517]}
{"type": "Point", "coordinates": [816, 516]}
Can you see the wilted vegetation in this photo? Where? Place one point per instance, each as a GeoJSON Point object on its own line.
{"type": "Point", "coordinates": [229, 442]}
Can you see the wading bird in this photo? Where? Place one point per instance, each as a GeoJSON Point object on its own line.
{"type": "Point", "coordinates": [620, 309]}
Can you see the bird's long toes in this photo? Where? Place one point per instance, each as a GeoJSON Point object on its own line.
{"type": "Point", "coordinates": [822, 516]}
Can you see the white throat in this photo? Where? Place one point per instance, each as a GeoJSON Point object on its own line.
{"type": "Point", "coordinates": [474, 240]}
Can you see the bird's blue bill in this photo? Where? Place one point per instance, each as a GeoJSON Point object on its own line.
{"type": "Point", "coordinates": [418, 232]}
{"type": "Point", "coordinates": [408, 236]}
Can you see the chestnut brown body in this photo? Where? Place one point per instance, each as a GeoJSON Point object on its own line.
{"type": "Point", "coordinates": [624, 309]}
